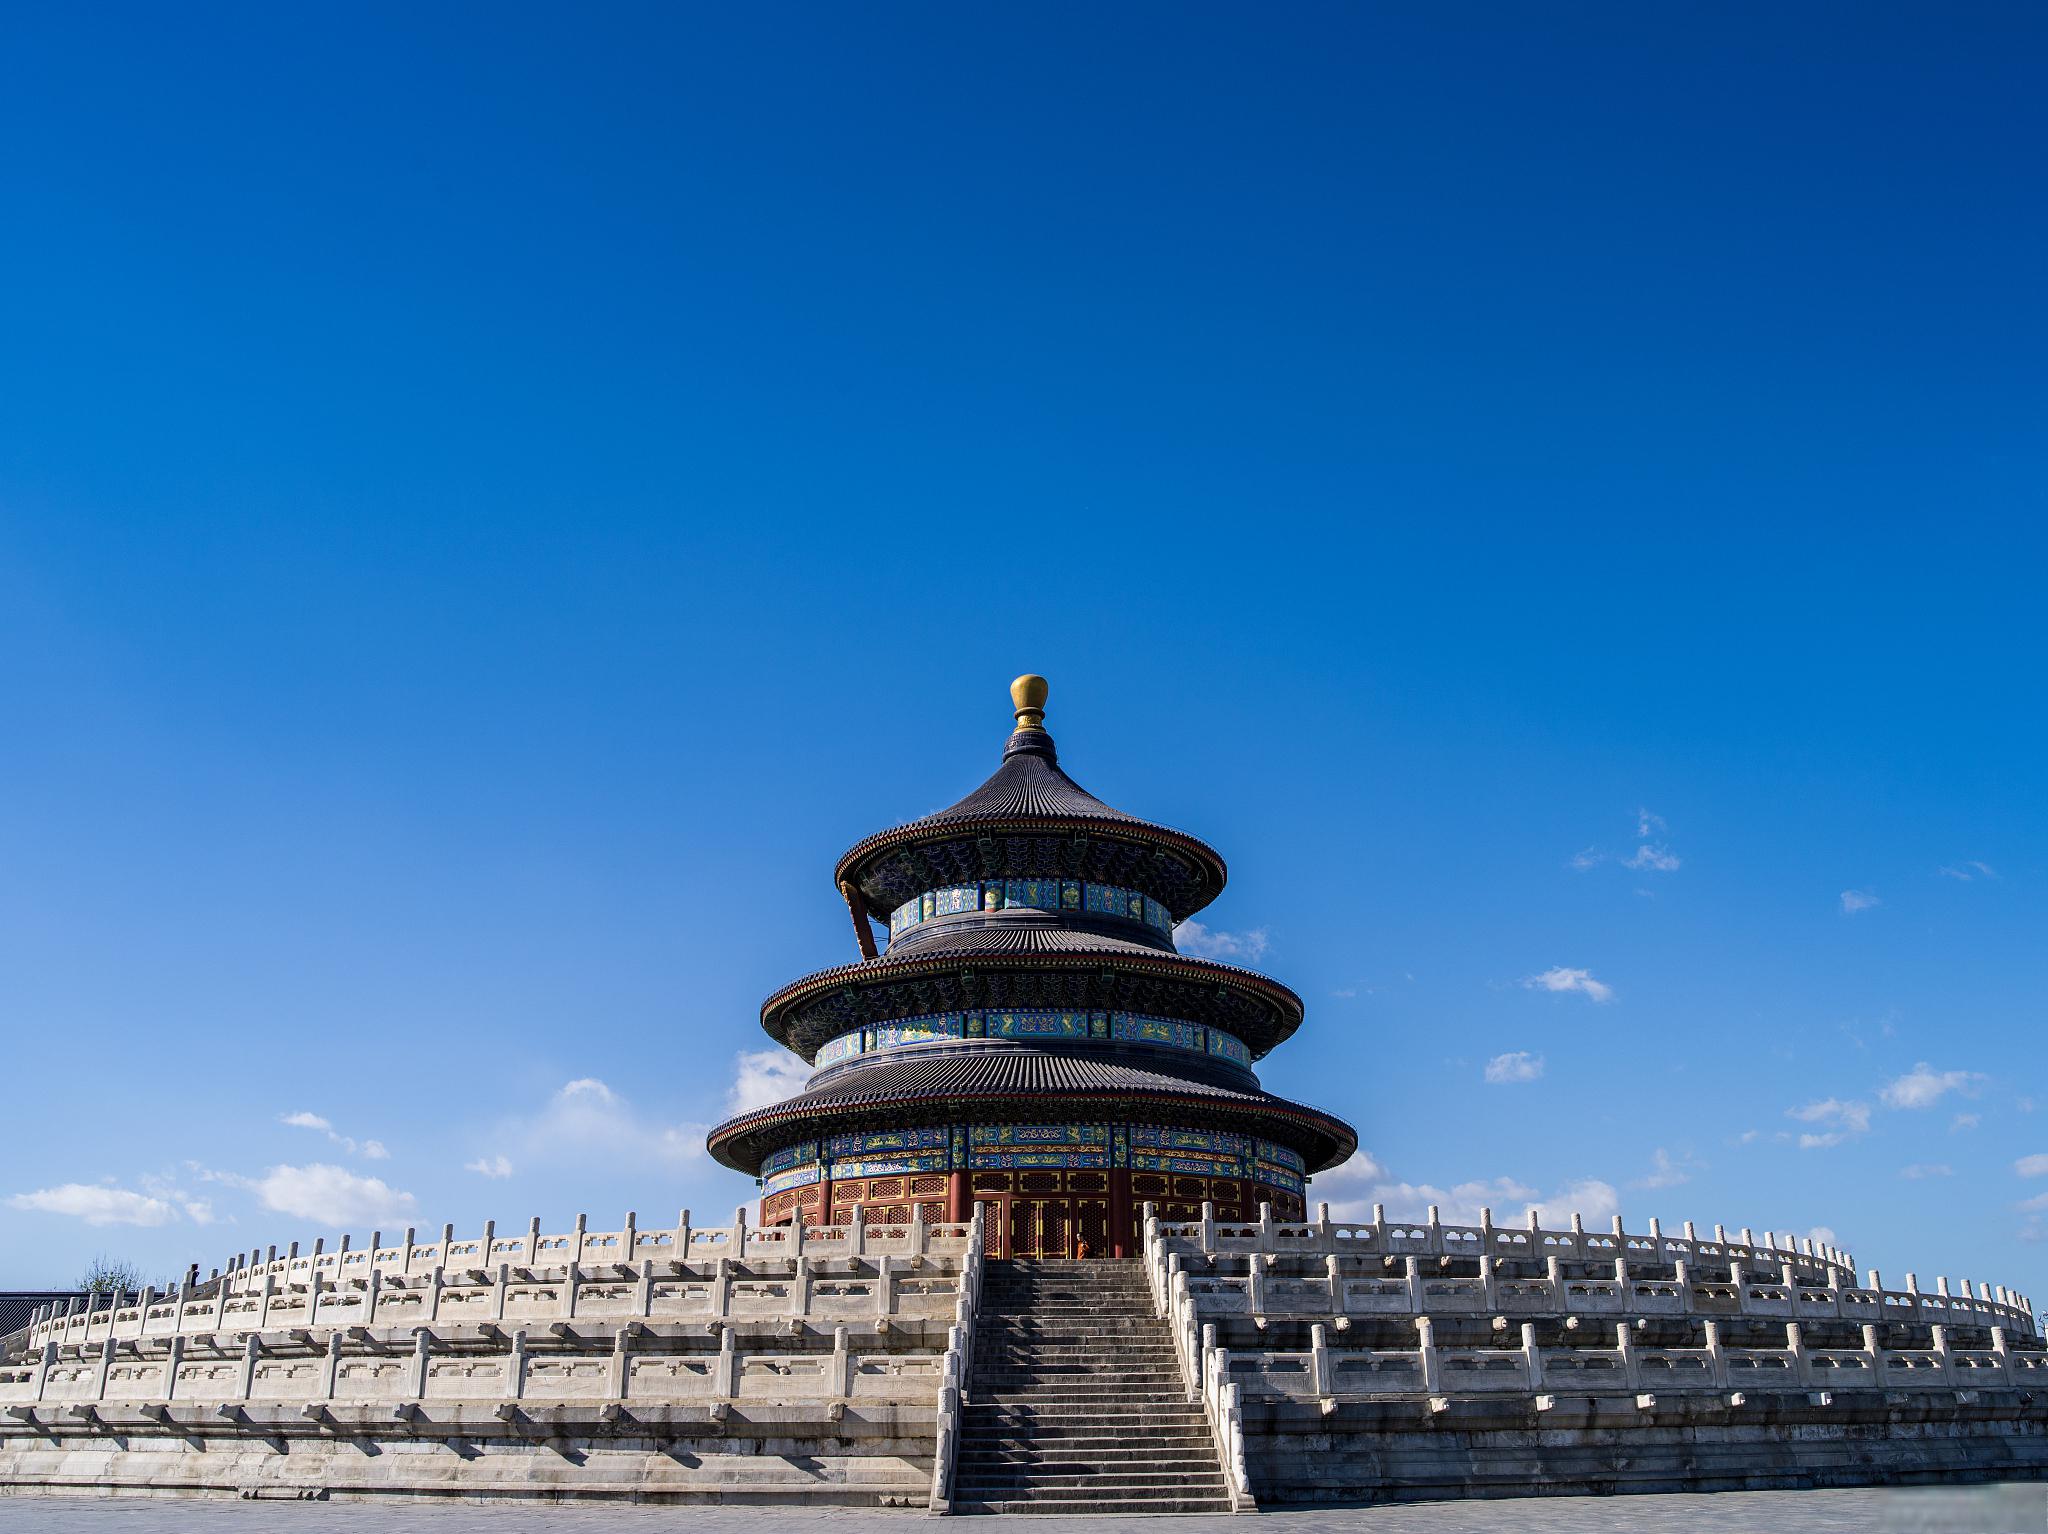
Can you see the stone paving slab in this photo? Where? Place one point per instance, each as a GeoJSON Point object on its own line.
{"type": "Point", "coordinates": [2009, 1509]}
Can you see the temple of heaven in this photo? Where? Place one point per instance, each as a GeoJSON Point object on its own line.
{"type": "Point", "coordinates": [1029, 1038]}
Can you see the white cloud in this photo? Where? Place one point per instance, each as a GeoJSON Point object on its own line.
{"type": "Point", "coordinates": [589, 1122]}
{"type": "Point", "coordinates": [373, 1149]}
{"type": "Point", "coordinates": [1213, 943]}
{"type": "Point", "coordinates": [1920, 1171]}
{"type": "Point", "coordinates": [97, 1204]}
{"type": "Point", "coordinates": [1592, 857]}
{"type": "Point", "coordinates": [1559, 978]}
{"type": "Point", "coordinates": [762, 1077]}
{"type": "Point", "coordinates": [2034, 1205]}
{"type": "Point", "coordinates": [1346, 994]}
{"type": "Point", "coordinates": [1353, 1188]}
{"type": "Point", "coordinates": [1964, 1121]}
{"type": "Point", "coordinates": [1840, 1121]}
{"type": "Point", "coordinates": [489, 1166]}
{"type": "Point", "coordinates": [1516, 1065]}
{"type": "Point", "coordinates": [1648, 825]}
{"type": "Point", "coordinates": [1923, 1087]}
{"type": "Point", "coordinates": [1858, 900]}
{"type": "Point", "coordinates": [332, 1195]}
{"type": "Point", "coordinates": [1665, 1172]}
{"type": "Point", "coordinates": [2032, 1166]}
{"type": "Point", "coordinates": [1662, 859]}
{"type": "Point", "coordinates": [1967, 870]}
{"type": "Point", "coordinates": [1823, 1235]}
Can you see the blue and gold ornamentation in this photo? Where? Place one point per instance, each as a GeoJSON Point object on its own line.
{"type": "Point", "coordinates": [1032, 894]}
{"type": "Point", "coordinates": [1012, 1146]}
{"type": "Point", "coordinates": [1122, 1027]}
{"type": "Point", "coordinates": [1036, 1025]}
{"type": "Point", "coordinates": [916, 1030]}
{"type": "Point", "coordinates": [1229, 1048]}
{"type": "Point", "coordinates": [984, 1147]}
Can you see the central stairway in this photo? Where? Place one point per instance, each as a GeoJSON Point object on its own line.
{"type": "Point", "coordinates": [1075, 1403]}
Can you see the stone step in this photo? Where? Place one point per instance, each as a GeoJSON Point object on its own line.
{"type": "Point", "coordinates": [1083, 1502]}
{"type": "Point", "coordinates": [1072, 1391]}
{"type": "Point", "coordinates": [1178, 1411]}
{"type": "Point", "coordinates": [990, 1463]}
{"type": "Point", "coordinates": [1097, 1449]}
{"type": "Point", "coordinates": [1078, 1352]}
{"type": "Point", "coordinates": [1032, 1374]}
{"type": "Point", "coordinates": [994, 1488]}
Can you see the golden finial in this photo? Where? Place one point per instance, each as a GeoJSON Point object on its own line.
{"type": "Point", "coordinates": [1028, 693]}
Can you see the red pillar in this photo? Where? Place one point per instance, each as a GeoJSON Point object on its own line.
{"type": "Point", "coordinates": [956, 1197]}
{"type": "Point", "coordinates": [1122, 1243]}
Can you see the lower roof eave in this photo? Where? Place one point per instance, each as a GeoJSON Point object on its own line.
{"type": "Point", "coordinates": [743, 1143]}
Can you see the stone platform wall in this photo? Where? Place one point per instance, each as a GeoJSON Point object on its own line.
{"type": "Point", "coordinates": [1362, 1362]}
{"type": "Point", "coordinates": [689, 1365]}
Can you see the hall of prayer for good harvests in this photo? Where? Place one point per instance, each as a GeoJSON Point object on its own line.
{"type": "Point", "coordinates": [1027, 1037]}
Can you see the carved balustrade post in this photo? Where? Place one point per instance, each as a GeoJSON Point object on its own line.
{"type": "Point", "coordinates": [1432, 1362]}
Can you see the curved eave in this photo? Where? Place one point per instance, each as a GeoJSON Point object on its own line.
{"type": "Point", "coordinates": [884, 970]}
{"type": "Point", "coordinates": [743, 1143]}
{"type": "Point", "coordinates": [857, 858]}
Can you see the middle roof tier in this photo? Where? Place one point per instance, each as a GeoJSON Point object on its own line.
{"type": "Point", "coordinates": [1019, 960]}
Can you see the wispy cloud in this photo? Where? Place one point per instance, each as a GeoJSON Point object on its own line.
{"type": "Point", "coordinates": [1963, 1121]}
{"type": "Point", "coordinates": [1361, 1182]}
{"type": "Point", "coordinates": [1560, 978]}
{"type": "Point", "coordinates": [586, 1121]}
{"type": "Point", "coordinates": [1666, 1172]}
{"type": "Point", "coordinates": [1516, 1065]}
{"type": "Point", "coordinates": [1968, 870]}
{"type": "Point", "coordinates": [489, 1166]}
{"type": "Point", "coordinates": [762, 1077]}
{"type": "Point", "coordinates": [1650, 855]}
{"type": "Point", "coordinates": [373, 1149]}
{"type": "Point", "coordinates": [97, 1204]}
{"type": "Point", "coordinates": [1214, 943]}
{"type": "Point", "coordinates": [1920, 1171]}
{"type": "Point", "coordinates": [2031, 1166]}
{"type": "Point", "coordinates": [332, 1195]}
{"type": "Point", "coordinates": [1838, 1121]}
{"type": "Point", "coordinates": [1858, 900]}
{"type": "Point", "coordinates": [1923, 1086]}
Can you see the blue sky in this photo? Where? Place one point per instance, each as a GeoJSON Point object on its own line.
{"type": "Point", "coordinates": [492, 503]}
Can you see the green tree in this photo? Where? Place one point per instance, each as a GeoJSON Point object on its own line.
{"type": "Point", "coordinates": [110, 1275]}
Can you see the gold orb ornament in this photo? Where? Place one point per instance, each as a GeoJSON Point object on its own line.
{"type": "Point", "coordinates": [1028, 693]}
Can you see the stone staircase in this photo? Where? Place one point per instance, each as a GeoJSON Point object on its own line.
{"type": "Point", "coordinates": [1075, 1402]}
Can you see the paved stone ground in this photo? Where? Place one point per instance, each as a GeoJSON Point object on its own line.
{"type": "Point", "coordinates": [2012, 1509]}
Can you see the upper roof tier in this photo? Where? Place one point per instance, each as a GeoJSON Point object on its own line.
{"type": "Point", "coordinates": [1030, 820]}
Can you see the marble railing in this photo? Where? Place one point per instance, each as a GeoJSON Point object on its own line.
{"type": "Point", "coordinates": [1773, 1281]}
{"type": "Point", "coordinates": [1178, 1257]}
{"type": "Point", "coordinates": [721, 1289]}
{"type": "Point", "coordinates": [953, 1380]}
{"type": "Point", "coordinates": [1413, 1292]}
{"type": "Point", "coordinates": [1430, 1369]}
{"type": "Point", "coordinates": [352, 1287]}
{"type": "Point", "coordinates": [1382, 1237]}
{"type": "Point", "coordinates": [427, 1372]}
{"type": "Point", "coordinates": [454, 1348]}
